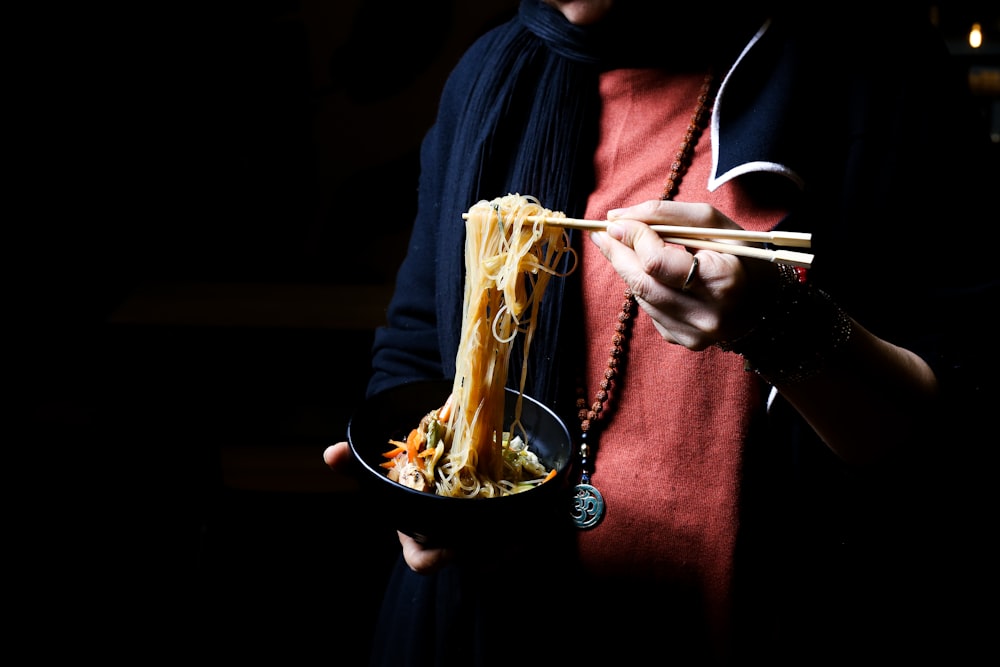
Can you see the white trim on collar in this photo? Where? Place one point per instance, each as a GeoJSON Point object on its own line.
{"type": "Point", "coordinates": [716, 180]}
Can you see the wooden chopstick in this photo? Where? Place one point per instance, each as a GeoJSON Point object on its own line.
{"type": "Point", "coordinates": [790, 239]}
{"type": "Point", "coordinates": [790, 257]}
{"type": "Point", "coordinates": [711, 239]}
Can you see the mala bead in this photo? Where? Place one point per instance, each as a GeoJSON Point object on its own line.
{"type": "Point", "coordinates": [612, 367]}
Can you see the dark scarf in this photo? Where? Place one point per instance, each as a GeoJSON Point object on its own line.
{"type": "Point", "coordinates": [531, 125]}
{"type": "Point", "coordinates": [532, 114]}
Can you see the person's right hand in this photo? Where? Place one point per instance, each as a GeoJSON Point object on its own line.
{"type": "Point", "coordinates": [421, 558]}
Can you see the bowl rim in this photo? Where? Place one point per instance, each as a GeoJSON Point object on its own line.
{"type": "Point", "coordinates": [444, 385]}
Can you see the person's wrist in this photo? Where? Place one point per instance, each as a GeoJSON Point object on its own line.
{"type": "Point", "coordinates": [797, 334]}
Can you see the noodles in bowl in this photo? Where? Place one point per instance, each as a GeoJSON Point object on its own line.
{"type": "Point", "coordinates": [431, 517]}
{"type": "Point", "coordinates": [474, 442]}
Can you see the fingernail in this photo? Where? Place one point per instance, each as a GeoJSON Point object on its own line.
{"type": "Point", "coordinates": [614, 213]}
{"type": "Point", "coordinates": [615, 231]}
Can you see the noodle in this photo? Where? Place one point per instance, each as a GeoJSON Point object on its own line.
{"type": "Point", "coordinates": [508, 264]}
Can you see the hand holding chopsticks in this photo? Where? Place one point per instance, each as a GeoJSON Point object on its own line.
{"type": "Point", "coordinates": [719, 240]}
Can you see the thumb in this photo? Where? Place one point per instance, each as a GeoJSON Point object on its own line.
{"type": "Point", "coordinates": [337, 456]}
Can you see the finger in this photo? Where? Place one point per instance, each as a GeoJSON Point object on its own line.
{"type": "Point", "coordinates": [670, 319]}
{"type": "Point", "coordinates": [714, 303]}
{"type": "Point", "coordinates": [651, 259]}
{"type": "Point", "coordinates": [687, 214]}
{"type": "Point", "coordinates": [337, 455]}
{"type": "Point", "coordinates": [647, 210]}
{"type": "Point", "coordinates": [422, 559]}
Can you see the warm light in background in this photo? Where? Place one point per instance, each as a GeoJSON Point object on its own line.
{"type": "Point", "coordinates": [976, 36]}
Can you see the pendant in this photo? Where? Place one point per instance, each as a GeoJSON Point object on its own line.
{"type": "Point", "coordinates": [588, 506]}
{"type": "Point", "coordinates": [588, 503]}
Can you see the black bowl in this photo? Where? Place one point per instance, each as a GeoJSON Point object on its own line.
{"type": "Point", "coordinates": [431, 518]}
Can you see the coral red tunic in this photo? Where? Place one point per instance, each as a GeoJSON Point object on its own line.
{"type": "Point", "coordinates": [668, 461]}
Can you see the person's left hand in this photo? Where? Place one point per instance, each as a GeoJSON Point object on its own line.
{"type": "Point", "coordinates": [421, 558]}
{"type": "Point", "coordinates": [695, 299]}
{"type": "Point", "coordinates": [337, 456]}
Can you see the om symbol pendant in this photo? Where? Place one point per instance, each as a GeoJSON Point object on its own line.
{"type": "Point", "coordinates": [588, 506]}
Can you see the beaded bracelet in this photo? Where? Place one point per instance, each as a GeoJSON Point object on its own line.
{"type": "Point", "coordinates": [796, 336]}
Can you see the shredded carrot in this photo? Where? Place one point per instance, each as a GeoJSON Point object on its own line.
{"type": "Point", "coordinates": [426, 452]}
{"type": "Point", "coordinates": [398, 449]}
{"type": "Point", "coordinates": [445, 410]}
{"type": "Point", "coordinates": [411, 445]}
{"type": "Point", "coordinates": [388, 464]}
{"type": "Point", "coordinates": [552, 473]}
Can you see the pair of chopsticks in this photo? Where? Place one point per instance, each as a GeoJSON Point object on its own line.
{"type": "Point", "coordinates": [719, 240]}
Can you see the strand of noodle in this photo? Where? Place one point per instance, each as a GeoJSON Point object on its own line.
{"type": "Point", "coordinates": [504, 278]}
{"type": "Point", "coordinates": [497, 328]}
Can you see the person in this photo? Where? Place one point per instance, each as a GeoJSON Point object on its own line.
{"type": "Point", "coordinates": [783, 454]}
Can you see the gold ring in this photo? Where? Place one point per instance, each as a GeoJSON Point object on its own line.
{"type": "Point", "coordinates": [691, 272]}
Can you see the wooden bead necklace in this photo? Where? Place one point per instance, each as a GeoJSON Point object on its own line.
{"type": "Point", "coordinates": [588, 504]}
